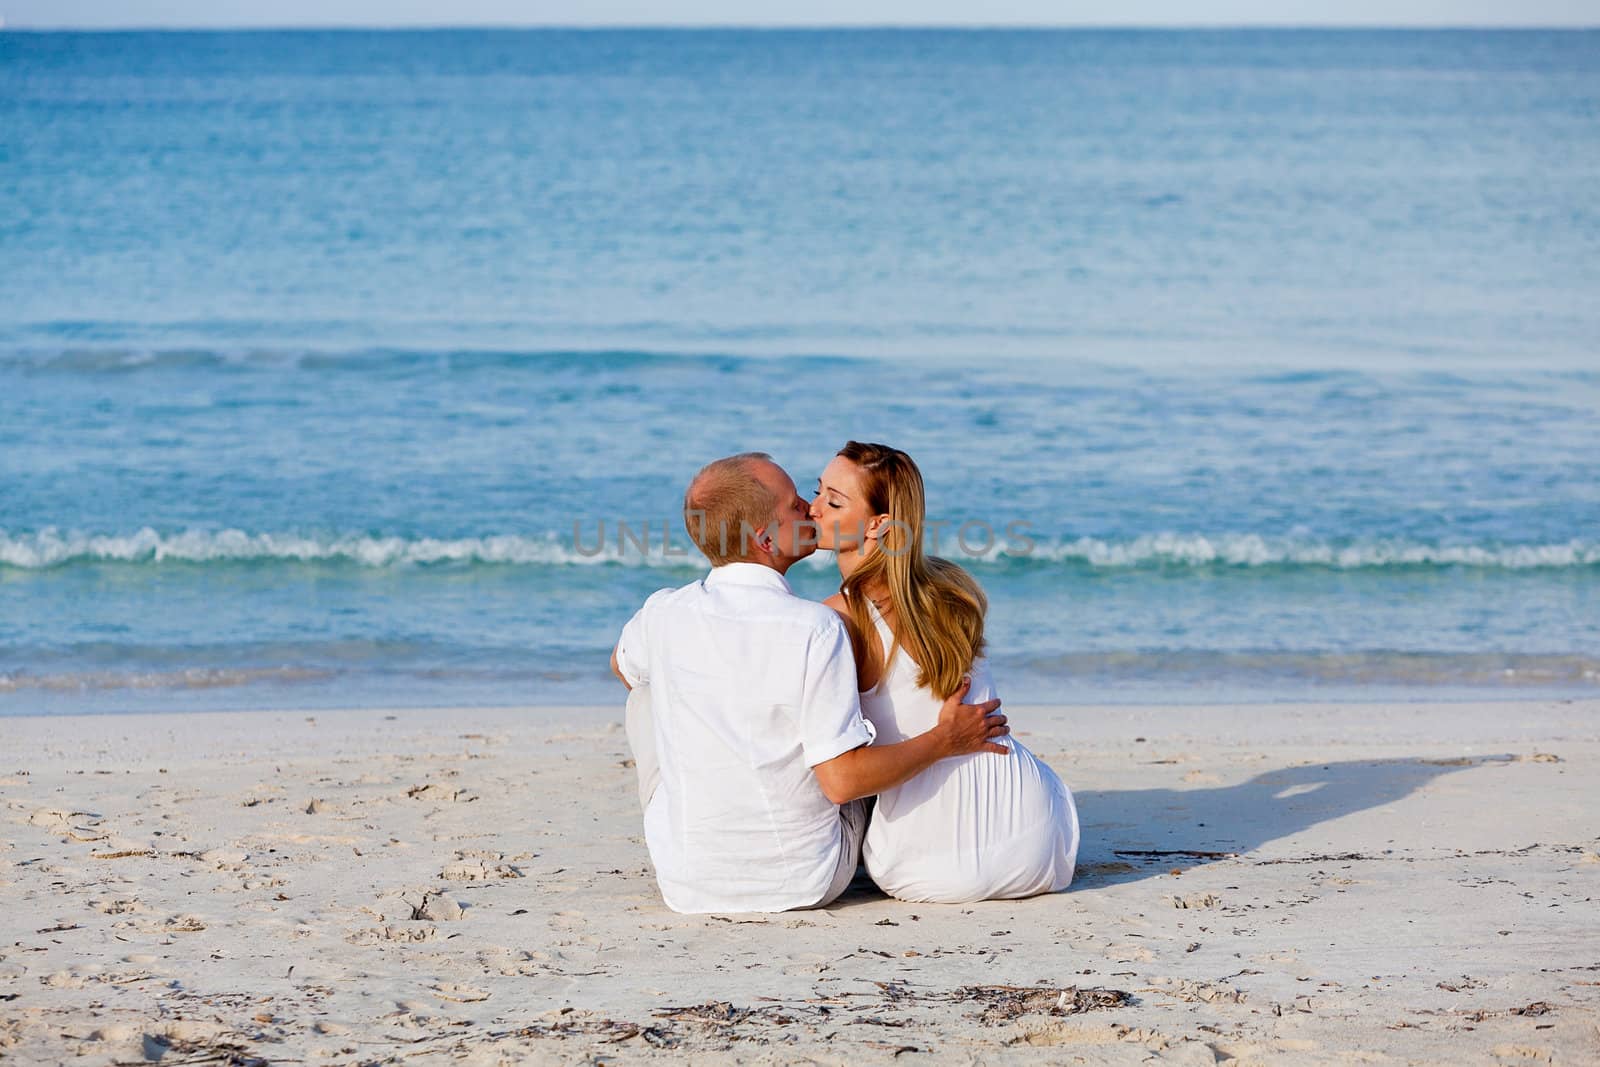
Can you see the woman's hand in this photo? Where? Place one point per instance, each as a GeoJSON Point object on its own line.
{"type": "Point", "coordinates": [968, 728]}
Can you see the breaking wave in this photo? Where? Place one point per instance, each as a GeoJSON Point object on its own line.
{"type": "Point", "coordinates": [51, 548]}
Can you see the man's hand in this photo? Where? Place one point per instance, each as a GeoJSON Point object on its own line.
{"type": "Point", "coordinates": [966, 728]}
{"type": "Point", "coordinates": [870, 769]}
{"type": "Point", "coordinates": [962, 730]}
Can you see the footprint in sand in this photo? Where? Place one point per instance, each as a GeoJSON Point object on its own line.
{"type": "Point", "coordinates": [63, 980]}
{"type": "Point", "coordinates": [1254, 1052]}
{"type": "Point", "coordinates": [225, 859]}
{"type": "Point", "coordinates": [808, 963]}
{"type": "Point", "coordinates": [1127, 953]}
{"type": "Point", "coordinates": [460, 994]}
{"type": "Point", "coordinates": [72, 825]}
{"type": "Point", "coordinates": [187, 1030]}
{"type": "Point", "coordinates": [177, 924]}
{"type": "Point", "coordinates": [498, 959]}
{"type": "Point", "coordinates": [117, 1032]}
{"type": "Point", "coordinates": [444, 794]}
{"type": "Point", "coordinates": [116, 906]}
{"type": "Point", "coordinates": [1192, 992]}
{"type": "Point", "coordinates": [477, 870]}
{"type": "Point", "coordinates": [405, 934]}
{"type": "Point", "coordinates": [411, 1015]}
{"type": "Point", "coordinates": [416, 905]}
{"type": "Point", "coordinates": [263, 883]}
{"type": "Point", "coordinates": [436, 907]}
{"type": "Point", "coordinates": [1105, 1034]}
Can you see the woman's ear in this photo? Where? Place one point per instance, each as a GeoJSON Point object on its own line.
{"type": "Point", "coordinates": [875, 526]}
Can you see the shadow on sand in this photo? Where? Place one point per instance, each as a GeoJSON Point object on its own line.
{"type": "Point", "coordinates": [1132, 834]}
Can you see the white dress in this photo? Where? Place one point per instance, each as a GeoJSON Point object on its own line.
{"type": "Point", "coordinates": [978, 827]}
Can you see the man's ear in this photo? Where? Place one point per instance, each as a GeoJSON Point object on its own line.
{"type": "Point", "coordinates": [762, 540]}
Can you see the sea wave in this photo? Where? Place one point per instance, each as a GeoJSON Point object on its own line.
{"type": "Point", "coordinates": [1358, 667]}
{"type": "Point", "coordinates": [50, 547]}
{"type": "Point", "coordinates": [187, 678]}
{"type": "Point", "coordinates": [116, 359]}
{"type": "Point", "coordinates": [1253, 550]}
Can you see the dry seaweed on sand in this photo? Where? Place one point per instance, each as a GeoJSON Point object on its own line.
{"type": "Point", "coordinates": [712, 1012]}
{"type": "Point", "coordinates": [179, 1053]}
{"type": "Point", "coordinates": [713, 1015]}
{"type": "Point", "coordinates": [723, 1013]}
{"type": "Point", "coordinates": [1002, 1003]}
{"type": "Point", "coordinates": [613, 1030]}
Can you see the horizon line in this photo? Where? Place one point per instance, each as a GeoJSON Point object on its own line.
{"type": "Point", "coordinates": [786, 27]}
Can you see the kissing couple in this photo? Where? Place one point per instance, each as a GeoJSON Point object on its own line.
{"type": "Point", "coordinates": [761, 721]}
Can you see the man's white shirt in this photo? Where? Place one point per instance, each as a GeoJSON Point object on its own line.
{"type": "Point", "coordinates": [750, 687]}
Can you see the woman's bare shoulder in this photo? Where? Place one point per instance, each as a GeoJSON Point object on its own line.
{"type": "Point", "coordinates": [863, 650]}
{"type": "Point", "coordinates": [842, 607]}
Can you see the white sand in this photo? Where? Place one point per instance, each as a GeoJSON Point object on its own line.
{"type": "Point", "coordinates": [1413, 882]}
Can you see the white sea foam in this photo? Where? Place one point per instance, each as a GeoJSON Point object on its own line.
{"type": "Point", "coordinates": [188, 678]}
{"type": "Point", "coordinates": [1253, 550]}
{"type": "Point", "coordinates": [50, 547]}
{"type": "Point", "coordinates": [53, 548]}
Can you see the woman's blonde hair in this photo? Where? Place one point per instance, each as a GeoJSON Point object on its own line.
{"type": "Point", "coordinates": [938, 606]}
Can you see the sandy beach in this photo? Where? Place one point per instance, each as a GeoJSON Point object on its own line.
{"type": "Point", "coordinates": [1287, 883]}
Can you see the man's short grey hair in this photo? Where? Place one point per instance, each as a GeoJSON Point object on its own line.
{"type": "Point", "coordinates": [725, 505]}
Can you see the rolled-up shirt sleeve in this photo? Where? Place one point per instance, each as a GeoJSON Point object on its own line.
{"type": "Point", "coordinates": [830, 713]}
{"type": "Point", "coordinates": [633, 652]}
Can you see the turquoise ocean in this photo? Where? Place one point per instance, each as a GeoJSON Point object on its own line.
{"type": "Point", "coordinates": [352, 368]}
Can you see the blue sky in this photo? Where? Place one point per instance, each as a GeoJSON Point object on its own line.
{"type": "Point", "coordinates": [179, 13]}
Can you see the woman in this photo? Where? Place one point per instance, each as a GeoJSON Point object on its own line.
{"type": "Point", "coordinates": [971, 827]}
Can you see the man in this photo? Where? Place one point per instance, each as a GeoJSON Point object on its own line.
{"type": "Point", "coordinates": [743, 715]}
